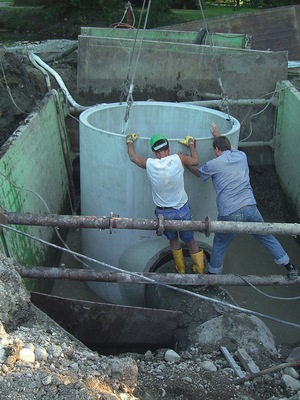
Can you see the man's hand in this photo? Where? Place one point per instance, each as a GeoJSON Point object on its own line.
{"type": "Point", "coordinates": [215, 130]}
{"type": "Point", "coordinates": [187, 141]}
{"type": "Point", "coordinates": [131, 137]}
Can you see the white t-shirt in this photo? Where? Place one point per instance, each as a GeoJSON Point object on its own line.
{"type": "Point", "coordinates": [166, 177]}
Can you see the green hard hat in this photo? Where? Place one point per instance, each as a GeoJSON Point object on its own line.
{"type": "Point", "coordinates": [156, 138]}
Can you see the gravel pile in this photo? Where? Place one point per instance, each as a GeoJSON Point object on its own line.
{"type": "Point", "coordinates": [39, 360]}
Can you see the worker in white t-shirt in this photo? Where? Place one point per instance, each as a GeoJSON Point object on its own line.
{"type": "Point", "coordinates": [166, 176]}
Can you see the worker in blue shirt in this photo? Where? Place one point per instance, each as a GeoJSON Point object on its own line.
{"type": "Point", "coordinates": [229, 172]}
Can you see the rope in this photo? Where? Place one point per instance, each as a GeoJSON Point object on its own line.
{"type": "Point", "coordinates": [265, 294]}
{"type": "Point", "coordinates": [253, 115]}
{"type": "Point", "coordinates": [120, 23]}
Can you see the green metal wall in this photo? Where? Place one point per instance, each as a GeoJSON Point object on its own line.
{"type": "Point", "coordinates": [207, 38]}
{"type": "Point", "coordinates": [33, 172]}
{"type": "Point", "coordinates": [287, 144]}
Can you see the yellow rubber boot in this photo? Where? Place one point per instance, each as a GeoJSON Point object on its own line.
{"type": "Point", "coordinates": [198, 259]}
{"type": "Point", "coordinates": [179, 261]}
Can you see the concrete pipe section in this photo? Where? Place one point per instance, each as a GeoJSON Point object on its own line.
{"type": "Point", "coordinates": [111, 183]}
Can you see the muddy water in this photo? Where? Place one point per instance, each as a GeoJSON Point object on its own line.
{"type": "Point", "coordinates": [246, 256]}
{"type": "Point", "coordinates": [73, 289]}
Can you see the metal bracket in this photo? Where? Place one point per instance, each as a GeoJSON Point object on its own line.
{"type": "Point", "coordinates": [160, 221]}
{"type": "Point", "coordinates": [111, 216]}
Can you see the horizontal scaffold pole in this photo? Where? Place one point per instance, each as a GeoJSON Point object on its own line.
{"type": "Point", "coordinates": [151, 277]}
{"type": "Point", "coordinates": [160, 224]}
{"type": "Point", "coordinates": [238, 102]}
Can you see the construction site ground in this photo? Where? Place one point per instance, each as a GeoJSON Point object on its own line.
{"type": "Point", "coordinates": [22, 87]}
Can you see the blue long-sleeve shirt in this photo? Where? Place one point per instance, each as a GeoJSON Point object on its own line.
{"type": "Point", "coordinates": [230, 177]}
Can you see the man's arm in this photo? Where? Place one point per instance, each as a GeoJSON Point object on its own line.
{"type": "Point", "coordinates": [215, 130]}
{"type": "Point", "coordinates": [216, 133]}
{"type": "Point", "coordinates": [194, 170]}
{"type": "Point", "coordinates": [140, 161]}
{"type": "Point", "coordinates": [192, 159]}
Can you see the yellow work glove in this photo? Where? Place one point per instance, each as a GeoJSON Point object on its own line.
{"type": "Point", "coordinates": [187, 141]}
{"type": "Point", "coordinates": [131, 137]}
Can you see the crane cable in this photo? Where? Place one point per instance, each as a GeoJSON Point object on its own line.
{"type": "Point", "coordinates": [224, 104]}
{"type": "Point", "coordinates": [129, 99]}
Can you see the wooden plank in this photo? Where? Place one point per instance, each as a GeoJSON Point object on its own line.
{"type": "Point", "coordinates": [246, 361]}
{"type": "Point", "coordinates": [232, 362]}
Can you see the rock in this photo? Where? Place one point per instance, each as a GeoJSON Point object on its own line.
{"type": "Point", "coordinates": [3, 334]}
{"type": "Point", "coordinates": [208, 366]}
{"type": "Point", "coordinates": [15, 307]}
{"type": "Point", "coordinates": [234, 331]}
{"type": "Point", "coordinates": [2, 353]}
{"type": "Point", "coordinates": [27, 355]}
{"type": "Point", "coordinates": [41, 354]}
{"type": "Point", "coordinates": [124, 371]}
{"type": "Point", "coordinates": [291, 382]}
{"type": "Point", "coordinates": [292, 372]}
{"type": "Point", "coordinates": [172, 356]}
{"type": "Point", "coordinates": [148, 355]}
{"type": "Point", "coordinates": [47, 380]}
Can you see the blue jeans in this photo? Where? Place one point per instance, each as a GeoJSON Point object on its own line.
{"type": "Point", "coordinates": [223, 240]}
{"type": "Point", "coordinates": [183, 214]}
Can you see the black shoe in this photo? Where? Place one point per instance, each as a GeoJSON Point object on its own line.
{"type": "Point", "coordinates": [292, 272]}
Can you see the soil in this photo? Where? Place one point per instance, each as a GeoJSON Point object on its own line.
{"type": "Point", "coordinates": [23, 86]}
{"type": "Point", "coordinates": [57, 365]}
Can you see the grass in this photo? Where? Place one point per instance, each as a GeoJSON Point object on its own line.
{"type": "Point", "coordinates": [9, 5]}
{"type": "Point", "coordinates": [210, 12]}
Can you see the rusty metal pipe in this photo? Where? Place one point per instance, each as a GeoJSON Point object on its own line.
{"type": "Point", "coordinates": [207, 226]}
{"type": "Point", "coordinates": [151, 277]}
{"type": "Point", "coordinates": [238, 102]}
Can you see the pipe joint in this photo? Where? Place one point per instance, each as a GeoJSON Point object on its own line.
{"type": "Point", "coordinates": [207, 226]}
{"type": "Point", "coordinates": [110, 219]}
{"type": "Point", "coordinates": [160, 223]}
